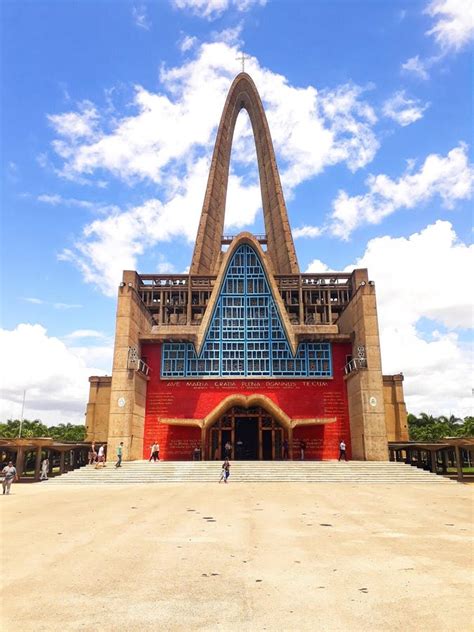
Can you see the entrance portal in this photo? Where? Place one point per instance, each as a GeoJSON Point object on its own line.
{"type": "Point", "coordinates": [252, 433]}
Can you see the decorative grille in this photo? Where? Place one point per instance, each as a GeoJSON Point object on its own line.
{"type": "Point", "coordinates": [246, 337]}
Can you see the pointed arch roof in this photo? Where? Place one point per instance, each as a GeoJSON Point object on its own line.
{"type": "Point", "coordinates": [281, 252]}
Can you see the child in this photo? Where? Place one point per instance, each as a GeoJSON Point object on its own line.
{"type": "Point", "coordinates": [225, 473]}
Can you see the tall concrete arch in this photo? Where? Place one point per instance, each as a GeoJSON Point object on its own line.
{"type": "Point", "coordinates": [280, 247]}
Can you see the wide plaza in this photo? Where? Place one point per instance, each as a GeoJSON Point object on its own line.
{"type": "Point", "coordinates": [323, 557]}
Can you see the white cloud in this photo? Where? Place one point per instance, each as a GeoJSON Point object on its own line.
{"type": "Point", "coordinates": [417, 67]}
{"type": "Point", "coordinates": [316, 266]}
{"type": "Point", "coordinates": [54, 374]}
{"type": "Point", "coordinates": [40, 301]}
{"type": "Point", "coordinates": [450, 177]}
{"type": "Point", "coordinates": [403, 109]}
{"type": "Point", "coordinates": [75, 125]}
{"type": "Point", "coordinates": [422, 279]}
{"type": "Point", "coordinates": [212, 9]}
{"type": "Point", "coordinates": [85, 333]}
{"type": "Point", "coordinates": [187, 42]}
{"type": "Point", "coordinates": [169, 141]}
{"type": "Point", "coordinates": [454, 28]}
{"type": "Point", "coordinates": [140, 17]}
{"type": "Point", "coordinates": [229, 36]}
{"type": "Point", "coordinates": [306, 231]}
{"type": "Point", "coordinates": [58, 200]}
{"type": "Point", "coordinates": [66, 305]}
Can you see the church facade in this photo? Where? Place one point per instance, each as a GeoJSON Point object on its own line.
{"type": "Point", "coordinates": [245, 349]}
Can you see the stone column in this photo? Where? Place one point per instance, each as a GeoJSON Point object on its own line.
{"type": "Point", "coordinates": [38, 463]}
{"type": "Point", "coordinates": [365, 385]}
{"type": "Point", "coordinates": [457, 450]}
{"type": "Point", "coordinates": [61, 462]}
{"type": "Point", "coordinates": [20, 460]}
{"type": "Point", "coordinates": [128, 388]}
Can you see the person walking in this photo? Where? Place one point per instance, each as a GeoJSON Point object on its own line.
{"type": "Point", "coordinates": [342, 450]}
{"type": "Point", "coordinates": [286, 450]}
{"type": "Point", "coordinates": [225, 472]}
{"type": "Point", "coordinates": [154, 452]}
{"type": "Point", "coordinates": [101, 457]}
{"type": "Point", "coordinates": [44, 470]}
{"type": "Point", "coordinates": [119, 454]}
{"type": "Point", "coordinates": [9, 475]}
{"type": "Point", "coordinates": [302, 449]}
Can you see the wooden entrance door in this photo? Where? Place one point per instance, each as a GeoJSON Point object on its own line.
{"type": "Point", "coordinates": [252, 433]}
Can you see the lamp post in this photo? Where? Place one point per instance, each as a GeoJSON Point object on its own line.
{"type": "Point", "coordinates": [22, 411]}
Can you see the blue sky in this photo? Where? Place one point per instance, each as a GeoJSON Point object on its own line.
{"type": "Point", "coordinates": [109, 114]}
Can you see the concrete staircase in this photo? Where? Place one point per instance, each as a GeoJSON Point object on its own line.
{"type": "Point", "coordinates": [137, 472]}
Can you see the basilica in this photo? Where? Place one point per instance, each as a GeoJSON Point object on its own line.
{"type": "Point", "coordinates": [245, 350]}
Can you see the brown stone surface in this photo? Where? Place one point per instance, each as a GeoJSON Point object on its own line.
{"type": "Point", "coordinates": [98, 408]}
{"type": "Point", "coordinates": [281, 251]}
{"type": "Point", "coordinates": [365, 386]}
{"type": "Point", "coordinates": [395, 408]}
{"type": "Point", "coordinates": [275, 557]}
{"type": "Point", "coordinates": [126, 423]}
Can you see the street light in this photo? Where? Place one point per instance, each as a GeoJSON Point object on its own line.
{"type": "Point", "coordinates": [22, 411]}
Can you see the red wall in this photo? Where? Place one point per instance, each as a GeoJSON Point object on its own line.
{"type": "Point", "coordinates": [298, 398]}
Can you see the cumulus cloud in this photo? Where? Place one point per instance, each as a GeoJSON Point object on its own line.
{"type": "Point", "coordinates": [187, 42]}
{"type": "Point", "coordinates": [306, 231]}
{"type": "Point", "coordinates": [39, 301]}
{"type": "Point", "coordinates": [54, 374]}
{"type": "Point", "coordinates": [84, 333]}
{"type": "Point", "coordinates": [404, 110]}
{"type": "Point", "coordinates": [453, 30]}
{"type": "Point", "coordinates": [140, 17]}
{"type": "Point", "coordinates": [450, 177]}
{"type": "Point", "coordinates": [417, 67]}
{"type": "Point", "coordinates": [421, 279]}
{"type": "Point", "coordinates": [75, 125]}
{"type": "Point", "coordinates": [212, 9]}
{"type": "Point", "coordinates": [454, 23]}
{"type": "Point", "coordinates": [169, 141]}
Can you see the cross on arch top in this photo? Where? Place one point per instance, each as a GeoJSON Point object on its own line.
{"type": "Point", "coordinates": [242, 58]}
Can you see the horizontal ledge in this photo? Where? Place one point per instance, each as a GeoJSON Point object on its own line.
{"type": "Point", "coordinates": [199, 423]}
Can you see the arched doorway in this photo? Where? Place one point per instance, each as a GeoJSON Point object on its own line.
{"type": "Point", "coordinates": [254, 434]}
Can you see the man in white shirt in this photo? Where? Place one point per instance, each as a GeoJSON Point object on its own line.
{"type": "Point", "coordinates": [9, 475]}
{"type": "Point", "coordinates": [101, 456]}
{"type": "Point", "coordinates": [342, 450]}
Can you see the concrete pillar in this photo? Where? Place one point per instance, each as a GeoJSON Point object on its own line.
{"type": "Point", "coordinates": [20, 461]}
{"type": "Point", "coordinates": [365, 392]}
{"type": "Point", "coordinates": [128, 388]}
{"type": "Point", "coordinates": [204, 454]}
{"type": "Point", "coordinates": [61, 461]}
{"type": "Point", "coordinates": [433, 457]}
{"type": "Point", "coordinates": [38, 463]}
{"type": "Point", "coordinates": [457, 450]}
{"type": "Point", "coordinates": [444, 457]}
{"type": "Point", "coordinates": [290, 443]}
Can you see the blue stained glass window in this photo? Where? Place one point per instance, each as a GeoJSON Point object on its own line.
{"type": "Point", "coordinates": [246, 337]}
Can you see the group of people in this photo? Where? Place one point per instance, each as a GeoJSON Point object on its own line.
{"type": "Point", "coordinates": [96, 457]}
{"type": "Point", "coordinates": [154, 452]}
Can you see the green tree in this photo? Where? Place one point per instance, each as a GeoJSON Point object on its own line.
{"type": "Point", "coordinates": [428, 428]}
{"type": "Point", "coordinates": [61, 432]}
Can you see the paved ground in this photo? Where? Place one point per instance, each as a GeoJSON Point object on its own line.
{"type": "Point", "coordinates": [258, 557]}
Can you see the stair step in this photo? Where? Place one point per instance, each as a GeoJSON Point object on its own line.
{"type": "Point", "coordinates": [142, 472]}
